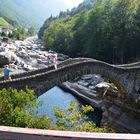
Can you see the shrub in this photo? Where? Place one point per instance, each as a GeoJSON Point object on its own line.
{"type": "Point", "coordinates": [72, 119]}
{"type": "Point", "coordinates": [17, 108]}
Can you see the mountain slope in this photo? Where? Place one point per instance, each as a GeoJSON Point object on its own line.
{"type": "Point", "coordinates": [9, 10]}
{"type": "Point", "coordinates": [85, 5]}
{"type": "Point", "coordinates": [4, 23]}
{"type": "Point", "coordinates": [41, 8]}
{"type": "Point", "coordinates": [30, 13]}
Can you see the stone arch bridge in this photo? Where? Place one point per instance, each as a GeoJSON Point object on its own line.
{"type": "Point", "coordinates": [125, 77]}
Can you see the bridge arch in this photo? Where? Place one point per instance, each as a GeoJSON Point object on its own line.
{"type": "Point", "coordinates": [127, 79]}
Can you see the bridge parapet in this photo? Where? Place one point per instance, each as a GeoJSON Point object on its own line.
{"type": "Point", "coordinates": [135, 64]}
{"type": "Point", "coordinates": [127, 79]}
{"type": "Point", "coordinates": [42, 70]}
{"type": "Point", "coordinates": [36, 134]}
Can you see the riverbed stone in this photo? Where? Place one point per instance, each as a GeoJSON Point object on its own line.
{"type": "Point", "coordinates": [91, 87]}
{"type": "Point", "coordinates": [4, 59]}
{"type": "Point", "coordinates": [83, 83]}
{"type": "Point", "coordinates": [102, 85]}
{"type": "Point", "coordinates": [2, 49]}
{"type": "Point", "coordinates": [87, 77]}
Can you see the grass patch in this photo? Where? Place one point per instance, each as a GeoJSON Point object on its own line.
{"type": "Point", "coordinates": [4, 23]}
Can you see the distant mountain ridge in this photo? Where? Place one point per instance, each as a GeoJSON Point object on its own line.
{"type": "Point", "coordinates": [10, 11]}
{"type": "Point", "coordinates": [29, 13]}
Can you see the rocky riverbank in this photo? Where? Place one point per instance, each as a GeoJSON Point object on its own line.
{"type": "Point", "coordinates": [26, 55]}
{"type": "Point", "coordinates": [118, 112]}
{"type": "Point", "coordinates": [91, 88]}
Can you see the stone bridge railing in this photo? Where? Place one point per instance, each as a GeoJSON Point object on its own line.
{"type": "Point", "coordinates": [51, 67]}
{"type": "Point", "coordinates": [136, 64]}
{"type": "Point", "coordinates": [127, 79]}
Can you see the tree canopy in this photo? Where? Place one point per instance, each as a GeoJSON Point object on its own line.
{"type": "Point", "coordinates": [109, 30]}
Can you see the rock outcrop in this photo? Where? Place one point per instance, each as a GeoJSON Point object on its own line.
{"type": "Point", "coordinates": [120, 113]}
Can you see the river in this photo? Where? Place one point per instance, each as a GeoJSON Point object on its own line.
{"type": "Point", "coordinates": [29, 55]}
{"type": "Point", "coordinates": [56, 97]}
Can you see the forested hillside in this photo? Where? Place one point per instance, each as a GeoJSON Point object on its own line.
{"type": "Point", "coordinates": [109, 30]}
{"type": "Point", "coordinates": [86, 5]}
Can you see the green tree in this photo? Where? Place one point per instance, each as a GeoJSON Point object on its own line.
{"type": "Point", "coordinates": [123, 26]}
{"type": "Point", "coordinates": [73, 120]}
{"type": "Point", "coordinates": [3, 34]}
{"type": "Point", "coordinates": [31, 31]}
{"type": "Point", "coordinates": [108, 31]}
{"type": "Point", "coordinates": [17, 108]}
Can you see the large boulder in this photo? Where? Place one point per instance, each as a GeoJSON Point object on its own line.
{"type": "Point", "coordinates": [14, 58]}
{"type": "Point", "coordinates": [23, 54]}
{"type": "Point", "coordinates": [2, 49]}
{"type": "Point", "coordinates": [4, 59]}
{"type": "Point", "coordinates": [8, 57]}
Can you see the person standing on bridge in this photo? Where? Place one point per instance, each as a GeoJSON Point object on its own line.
{"type": "Point", "coordinates": [6, 72]}
{"type": "Point", "coordinates": [55, 61]}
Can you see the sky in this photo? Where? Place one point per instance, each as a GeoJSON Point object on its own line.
{"type": "Point", "coordinates": [72, 3]}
